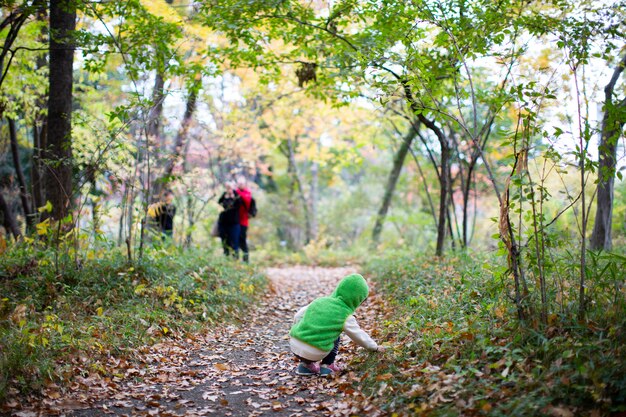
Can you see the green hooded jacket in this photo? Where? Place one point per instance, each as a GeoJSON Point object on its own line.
{"type": "Point", "coordinates": [324, 318]}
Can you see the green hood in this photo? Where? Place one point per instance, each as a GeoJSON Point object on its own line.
{"type": "Point", "coordinates": [325, 317]}
{"type": "Point", "coordinates": [352, 290]}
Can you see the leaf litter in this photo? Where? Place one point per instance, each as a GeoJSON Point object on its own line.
{"type": "Point", "coordinates": [229, 370]}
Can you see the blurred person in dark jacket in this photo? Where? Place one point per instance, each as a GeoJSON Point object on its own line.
{"type": "Point", "coordinates": [228, 220]}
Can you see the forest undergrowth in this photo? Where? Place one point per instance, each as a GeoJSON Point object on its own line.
{"type": "Point", "coordinates": [457, 348]}
{"type": "Point", "coordinates": [62, 319]}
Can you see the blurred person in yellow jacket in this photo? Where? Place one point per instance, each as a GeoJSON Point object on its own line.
{"type": "Point", "coordinates": [163, 213]}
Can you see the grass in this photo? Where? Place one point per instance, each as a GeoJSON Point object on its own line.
{"type": "Point", "coordinates": [458, 349]}
{"type": "Point", "coordinates": [107, 306]}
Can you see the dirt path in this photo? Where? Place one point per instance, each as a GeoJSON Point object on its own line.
{"type": "Point", "coordinates": [230, 371]}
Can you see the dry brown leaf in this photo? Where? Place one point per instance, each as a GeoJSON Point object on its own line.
{"type": "Point", "coordinates": [384, 377]}
{"type": "Point", "coordinates": [560, 411]}
{"type": "Point", "coordinates": [222, 366]}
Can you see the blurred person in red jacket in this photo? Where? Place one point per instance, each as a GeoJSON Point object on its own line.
{"type": "Point", "coordinates": [247, 209]}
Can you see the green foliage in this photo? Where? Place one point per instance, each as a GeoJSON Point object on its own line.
{"type": "Point", "coordinates": [455, 350]}
{"type": "Point", "coordinates": [106, 305]}
{"type": "Point", "coordinates": [25, 83]}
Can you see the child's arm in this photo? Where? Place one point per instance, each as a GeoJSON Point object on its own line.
{"type": "Point", "coordinates": [358, 335]}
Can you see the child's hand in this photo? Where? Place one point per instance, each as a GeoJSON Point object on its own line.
{"type": "Point", "coordinates": [381, 348]}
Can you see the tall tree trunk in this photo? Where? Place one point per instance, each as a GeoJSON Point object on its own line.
{"type": "Point", "coordinates": [120, 230]}
{"type": "Point", "coordinates": [7, 218]}
{"type": "Point", "coordinates": [467, 186]}
{"type": "Point", "coordinates": [453, 221]}
{"type": "Point", "coordinates": [191, 219]}
{"type": "Point", "coordinates": [290, 226]}
{"type": "Point", "coordinates": [182, 135]}
{"type": "Point", "coordinates": [40, 128]}
{"type": "Point", "coordinates": [444, 177]}
{"type": "Point", "coordinates": [21, 181]}
{"type": "Point", "coordinates": [392, 181]}
{"type": "Point", "coordinates": [154, 132]}
{"type": "Point", "coordinates": [192, 214]}
{"type": "Point", "coordinates": [467, 178]}
{"type": "Point", "coordinates": [58, 151]}
{"type": "Point", "coordinates": [313, 198]}
{"type": "Point", "coordinates": [154, 117]}
{"type": "Point", "coordinates": [450, 230]}
{"type": "Point", "coordinates": [297, 182]}
{"type": "Point", "coordinates": [612, 124]}
{"type": "Point", "coordinates": [445, 159]}
{"type": "Point", "coordinates": [38, 179]}
{"type": "Point", "coordinates": [180, 143]}
{"type": "Point", "coordinates": [151, 190]}
{"type": "Point", "coordinates": [444, 184]}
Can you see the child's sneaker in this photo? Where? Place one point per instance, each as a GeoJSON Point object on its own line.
{"type": "Point", "coordinates": [324, 371]}
{"type": "Point", "coordinates": [308, 369]}
{"type": "Point", "coordinates": [335, 368]}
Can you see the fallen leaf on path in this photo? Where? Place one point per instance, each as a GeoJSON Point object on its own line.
{"type": "Point", "coordinates": [222, 366]}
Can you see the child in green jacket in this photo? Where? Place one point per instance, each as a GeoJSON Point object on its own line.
{"type": "Point", "coordinates": [315, 333]}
